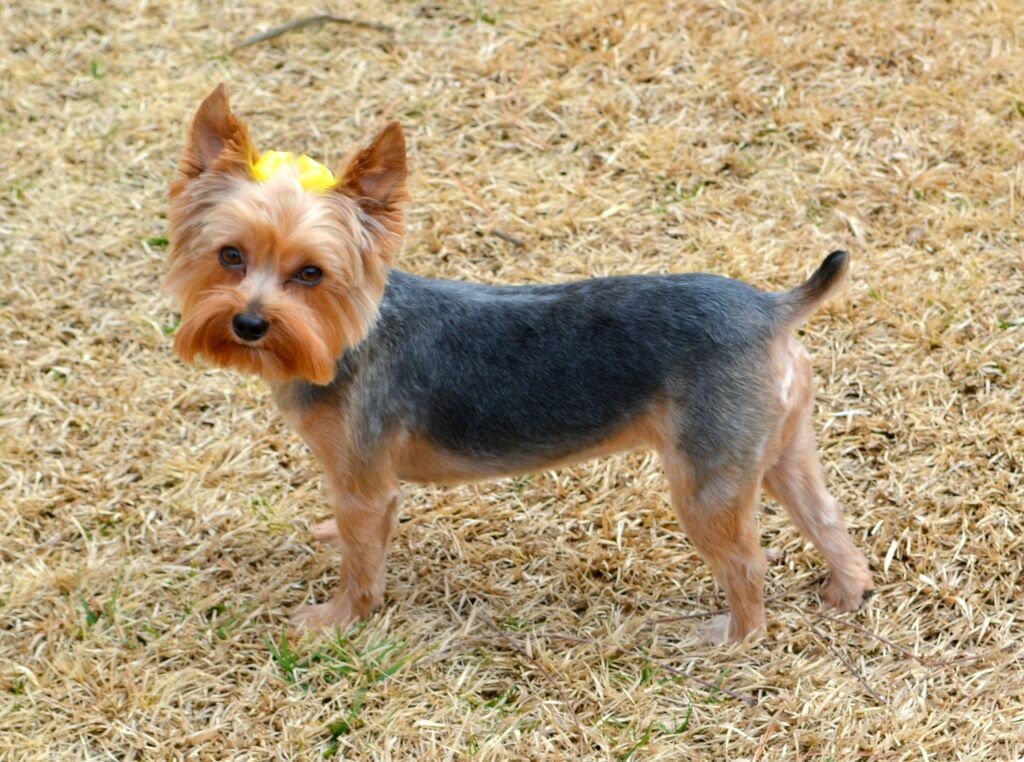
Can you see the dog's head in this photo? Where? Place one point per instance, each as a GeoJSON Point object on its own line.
{"type": "Point", "coordinates": [271, 277]}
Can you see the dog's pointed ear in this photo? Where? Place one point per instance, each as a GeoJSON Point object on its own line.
{"type": "Point", "coordinates": [377, 178]}
{"type": "Point", "coordinates": [217, 140]}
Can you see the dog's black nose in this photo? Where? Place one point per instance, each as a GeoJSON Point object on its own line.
{"type": "Point", "coordinates": [249, 327]}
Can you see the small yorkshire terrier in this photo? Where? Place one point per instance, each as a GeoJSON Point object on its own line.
{"type": "Point", "coordinates": [389, 377]}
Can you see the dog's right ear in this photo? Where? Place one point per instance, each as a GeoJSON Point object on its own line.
{"type": "Point", "coordinates": [217, 140]}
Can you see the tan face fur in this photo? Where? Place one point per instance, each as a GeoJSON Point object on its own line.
{"type": "Point", "coordinates": [348, 233]}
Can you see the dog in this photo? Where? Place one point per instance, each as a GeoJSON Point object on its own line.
{"type": "Point", "coordinates": [391, 377]}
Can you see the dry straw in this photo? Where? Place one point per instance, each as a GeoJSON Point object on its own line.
{"type": "Point", "coordinates": [155, 517]}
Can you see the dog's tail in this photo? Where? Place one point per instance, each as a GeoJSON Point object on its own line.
{"type": "Point", "coordinates": [798, 303]}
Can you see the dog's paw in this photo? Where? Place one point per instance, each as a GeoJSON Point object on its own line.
{"type": "Point", "coordinates": [716, 631]}
{"type": "Point", "coordinates": [323, 616]}
{"type": "Point", "coordinates": [327, 532]}
{"type": "Point", "coordinates": [848, 593]}
{"type": "Point", "coordinates": [720, 630]}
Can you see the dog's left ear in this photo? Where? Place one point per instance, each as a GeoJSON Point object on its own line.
{"type": "Point", "coordinates": [217, 140]}
{"type": "Point", "coordinates": [377, 179]}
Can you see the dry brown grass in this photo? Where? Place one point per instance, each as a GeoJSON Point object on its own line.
{"type": "Point", "coordinates": [155, 516]}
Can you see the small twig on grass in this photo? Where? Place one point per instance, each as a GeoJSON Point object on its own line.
{"type": "Point", "coordinates": [518, 648]}
{"type": "Point", "coordinates": [709, 686]}
{"type": "Point", "coordinates": [839, 655]}
{"type": "Point", "coordinates": [716, 612]}
{"type": "Point", "coordinates": [305, 21]}
{"type": "Point", "coordinates": [922, 660]}
{"type": "Point", "coordinates": [481, 205]}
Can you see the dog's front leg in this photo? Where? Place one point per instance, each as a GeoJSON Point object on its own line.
{"type": "Point", "coordinates": [365, 520]}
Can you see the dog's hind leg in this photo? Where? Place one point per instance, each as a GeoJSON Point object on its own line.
{"type": "Point", "coordinates": [795, 479]}
{"type": "Point", "coordinates": [719, 517]}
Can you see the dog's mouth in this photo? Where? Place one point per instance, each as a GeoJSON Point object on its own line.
{"type": "Point", "coordinates": [253, 344]}
{"type": "Point", "coordinates": [257, 357]}
{"type": "Point", "coordinates": [242, 353]}
{"type": "Point", "coordinates": [276, 350]}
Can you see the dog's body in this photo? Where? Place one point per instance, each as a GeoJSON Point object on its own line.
{"type": "Point", "coordinates": [447, 382]}
{"type": "Point", "coordinates": [498, 380]}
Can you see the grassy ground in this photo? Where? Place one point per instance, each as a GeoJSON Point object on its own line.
{"type": "Point", "coordinates": [155, 517]}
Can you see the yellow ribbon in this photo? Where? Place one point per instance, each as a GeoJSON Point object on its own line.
{"type": "Point", "coordinates": [313, 175]}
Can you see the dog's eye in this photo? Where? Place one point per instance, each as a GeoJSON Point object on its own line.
{"type": "Point", "coordinates": [231, 258]}
{"type": "Point", "coordinates": [309, 275]}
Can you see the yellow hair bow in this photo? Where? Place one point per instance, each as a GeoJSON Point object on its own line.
{"type": "Point", "coordinates": [313, 175]}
